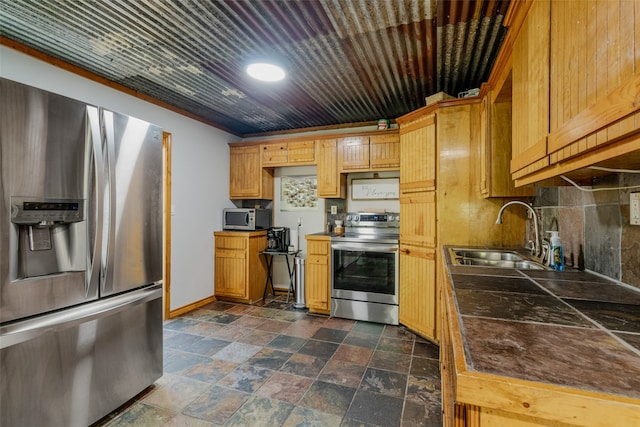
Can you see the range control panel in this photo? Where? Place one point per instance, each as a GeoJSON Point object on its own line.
{"type": "Point", "coordinates": [368, 219]}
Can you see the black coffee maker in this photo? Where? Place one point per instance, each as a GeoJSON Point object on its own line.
{"type": "Point", "coordinates": [278, 239]}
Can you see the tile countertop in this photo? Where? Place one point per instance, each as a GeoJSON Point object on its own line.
{"type": "Point", "coordinates": [570, 329]}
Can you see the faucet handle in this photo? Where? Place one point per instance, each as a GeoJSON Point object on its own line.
{"type": "Point", "coordinates": [531, 246]}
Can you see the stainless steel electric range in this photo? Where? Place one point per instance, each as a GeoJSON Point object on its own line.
{"type": "Point", "coordinates": [364, 268]}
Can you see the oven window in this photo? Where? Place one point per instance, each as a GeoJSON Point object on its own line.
{"type": "Point", "coordinates": [364, 271]}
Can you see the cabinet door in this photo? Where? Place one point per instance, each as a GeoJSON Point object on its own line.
{"type": "Point", "coordinates": [418, 155]}
{"type": "Point", "coordinates": [302, 152]}
{"type": "Point", "coordinates": [245, 171]}
{"type": "Point", "coordinates": [331, 183]}
{"type": "Point", "coordinates": [495, 149]}
{"type": "Point", "coordinates": [274, 154]}
{"type": "Point", "coordinates": [418, 213]}
{"type": "Point", "coordinates": [384, 151]}
{"type": "Point", "coordinates": [353, 153]}
{"type": "Point", "coordinates": [595, 75]}
{"type": "Point", "coordinates": [530, 86]}
{"type": "Point", "coordinates": [317, 275]}
{"type": "Point", "coordinates": [417, 290]}
{"type": "Point", "coordinates": [231, 267]}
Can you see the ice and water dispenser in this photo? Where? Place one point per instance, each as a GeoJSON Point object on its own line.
{"type": "Point", "coordinates": [51, 236]}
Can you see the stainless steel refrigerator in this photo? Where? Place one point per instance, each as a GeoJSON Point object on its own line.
{"type": "Point", "coordinates": [80, 258]}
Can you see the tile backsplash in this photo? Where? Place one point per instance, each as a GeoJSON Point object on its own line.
{"type": "Point", "coordinates": [594, 226]}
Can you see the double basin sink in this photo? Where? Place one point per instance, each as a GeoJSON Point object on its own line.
{"type": "Point", "coordinates": [500, 258]}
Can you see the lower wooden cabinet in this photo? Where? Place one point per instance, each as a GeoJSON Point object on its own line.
{"type": "Point", "coordinates": [318, 274]}
{"type": "Point", "coordinates": [240, 269]}
{"type": "Point", "coordinates": [417, 289]}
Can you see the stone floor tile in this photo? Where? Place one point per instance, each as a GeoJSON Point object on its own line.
{"type": "Point", "coordinates": [248, 322]}
{"type": "Point", "coordinates": [390, 361]}
{"type": "Point", "coordinates": [322, 349]}
{"type": "Point", "coordinates": [331, 335]}
{"type": "Point", "coordinates": [395, 345]}
{"type": "Point", "coordinates": [237, 352]}
{"type": "Point", "coordinates": [419, 414]}
{"type": "Point", "coordinates": [384, 382]}
{"type": "Point", "coordinates": [142, 415]}
{"type": "Point", "coordinates": [246, 378]}
{"type": "Point", "coordinates": [174, 392]}
{"type": "Point", "coordinates": [261, 412]}
{"type": "Point", "coordinates": [272, 325]}
{"type": "Point", "coordinates": [301, 330]}
{"type": "Point", "coordinates": [210, 371]}
{"type": "Point", "coordinates": [339, 323]}
{"type": "Point", "coordinates": [283, 386]}
{"type": "Point", "coordinates": [342, 373]}
{"type": "Point", "coordinates": [424, 367]}
{"type": "Point", "coordinates": [269, 358]}
{"type": "Point", "coordinates": [301, 364]}
{"type": "Point", "coordinates": [398, 332]}
{"type": "Point", "coordinates": [217, 404]}
{"type": "Point", "coordinates": [327, 397]}
{"type": "Point", "coordinates": [307, 417]}
{"type": "Point", "coordinates": [376, 409]}
{"type": "Point", "coordinates": [426, 349]}
{"type": "Point", "coordinates": [368, 328]}
{"type": "Point", "coordinates": [231, 332]}
{"type": "Point", "coordinates": [258, 337]}
{"type": "Point", "coordinates": [182, 420]}
{"type": "Point", "coordinates": [424, 390]}
{"type": "Point", "coordinates": [175, 361]}
{"type": "Point", "coordinates": [220, 306]}
{"type": "Point", "coordinates": [361, 339]}
{"type": "Point", "coordinates": [353, 354]}
{"type": "Point", "coordinates": [287, 343]}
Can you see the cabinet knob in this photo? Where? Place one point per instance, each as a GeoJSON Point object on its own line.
{"type": "Point", "coordinates": [405, 251]}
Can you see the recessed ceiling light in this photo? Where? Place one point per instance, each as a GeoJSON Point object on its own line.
{"type": "Point", "coordinates": [265, 72]}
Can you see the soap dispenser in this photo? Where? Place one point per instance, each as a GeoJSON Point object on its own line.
{"type": "Point", "coordinates": [556, 257]}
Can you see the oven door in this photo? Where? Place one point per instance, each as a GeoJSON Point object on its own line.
{"type": "Point", "coordinates": [365, 271]}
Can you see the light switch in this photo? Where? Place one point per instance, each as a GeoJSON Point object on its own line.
{"type": "Point", "coordinates": [634, 201]}
{"type": "Point", "coordinates": [334, 210]}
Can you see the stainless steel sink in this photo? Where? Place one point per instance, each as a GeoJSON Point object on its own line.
{"type": "Point", "coordinates": [489, 254]}
{"type": "Point", "coordinates": [494, 258]}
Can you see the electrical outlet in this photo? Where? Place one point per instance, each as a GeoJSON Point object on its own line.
{"type": "Point", "coordinates": [634, 208]}
{"type": "Point", "coordinates": [334, 210]}
{"type": "Point", "coordinates": [299, 221]}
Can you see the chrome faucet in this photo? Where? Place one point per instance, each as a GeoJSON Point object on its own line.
{"type": "Point", "coordinates": [535, 251]}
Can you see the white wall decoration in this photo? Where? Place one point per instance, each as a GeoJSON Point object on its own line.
{"type": "Point", "coordinates": [299, 193]}
{"type": "Point", "coordinates": [375, 189]}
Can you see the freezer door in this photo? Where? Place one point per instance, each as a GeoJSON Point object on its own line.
{"type": "Point", "coordinates": [47, 154]}
{"type": "Point", "coordinates": [75, 366]}
{"type": "Point", "coordinates": [132, 239]}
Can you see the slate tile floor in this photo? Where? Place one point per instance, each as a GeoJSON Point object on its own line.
{"type": "Point", "coordinates": [241, 365]}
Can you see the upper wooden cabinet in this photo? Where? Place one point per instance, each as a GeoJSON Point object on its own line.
{"type": "Point", "coordinates": [576, 86]}
{"type": "Point", "coordinates": [331, 183]}
{"type": "Point", "coordinates": [374, 152]}
{"type": "Point", "coordinates": [530, 85]}
{"type": "Point", "coordinates": [247, 178]}
{"type": "Point", "coordinates": [418, 161]}
{"type": "Point", "coordinates": [495, 148]}
{"type": "Point", "coordinates": [291, 153]}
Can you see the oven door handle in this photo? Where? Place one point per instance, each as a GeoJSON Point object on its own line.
{"type": "Point", "coordinates": [387, 248]}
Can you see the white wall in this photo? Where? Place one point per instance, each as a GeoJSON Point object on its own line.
{"type": "Point", "coordinates": [200, 169]}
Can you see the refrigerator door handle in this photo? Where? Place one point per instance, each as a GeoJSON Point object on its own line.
{"type": "Point", "coordinates": [109, 188]}
{"type": "Point", "coordinates": [20, 332]}
{"type": "Point", "coordinates": [95, 179]}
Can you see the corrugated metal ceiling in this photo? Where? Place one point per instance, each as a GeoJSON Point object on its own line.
{"type": "Point", "coordinates": [348, 61]}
